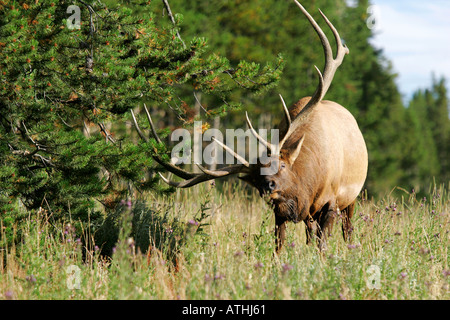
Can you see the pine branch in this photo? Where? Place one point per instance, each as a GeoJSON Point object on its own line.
{"type": "Point", "coordinates": [169, 13]}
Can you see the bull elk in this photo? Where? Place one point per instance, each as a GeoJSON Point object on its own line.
{"type": "Point", "coordinates": [321, 159]}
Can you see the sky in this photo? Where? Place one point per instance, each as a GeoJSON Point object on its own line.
{"type": "Point", "coordinates": [415, 37]}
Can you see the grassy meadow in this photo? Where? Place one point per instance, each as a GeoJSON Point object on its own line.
{"type": "Point", "coordinates": [205, 243]}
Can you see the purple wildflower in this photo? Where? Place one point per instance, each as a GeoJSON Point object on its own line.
{"type": "Point", "coordinates": [9, 295]}
{"type": "Point", "coordinates": [31, 278]}
{"type": "Point", "coordinates": [193, 222]}
{"type": "Point", "coordinates": [219, 276]}
{"type": "Point", "coordinates": [285, 267]}
{"type": "Point", "coordinates": [299, 293]}
{"type": "Point", "coordinates": [238, 253]}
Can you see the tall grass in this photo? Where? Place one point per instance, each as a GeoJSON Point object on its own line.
{"type": "Point", "coordinates": [222, 246]}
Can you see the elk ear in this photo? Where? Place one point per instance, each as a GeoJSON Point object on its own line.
{"type": "Point", "coordinates": [293, 155]}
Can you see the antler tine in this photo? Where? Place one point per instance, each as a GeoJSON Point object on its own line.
{"type": "Point", "coordinates": [168, 166]}
{"type": "Point", "coordinates": [342, 49]}
{"type": "Point", "coordinates": [319, 31]}
{"type": "Point", "coordinates": [267, 144]}
{"type": "Point", "coordinates": [331, 65]}
{"type": "Point", "coordinates": [149, 118]}
{"type": "Point", "coordinates": [186, 183]}
{"type": "Point", "coordinates": [222, 172]}
{"type": "Point", "coordinates": [206, 176]}
{"type": "Point", "coordinates": [286, 111]}
{"type": "Point", "coordinates": [288, 121]}
{"type": "Point", "coordinates": [216, 174]}
{"type": "Point", "coordinates": [303, 115]}
{"type": "Point", "coordinates": [230, 151]}
{"type": "Point", "coordinates": [138, 129]}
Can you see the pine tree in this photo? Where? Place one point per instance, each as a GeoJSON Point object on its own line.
{"type": "Point", "coordinates": [65, 93]}
{"type": "Point", "coordinates": [432, 108]}
{"type": "Point", "coordinates": [422, 165]}
{"type": "Point", "coordinates": [438, 113]}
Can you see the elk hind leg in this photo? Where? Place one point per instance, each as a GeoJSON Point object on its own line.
{"type": "Point", "coordinates": [347, 228]}
{"type": "Point", "coordinates": [311, 228]}
{"type": "Point", "coordinates": [326, 222]}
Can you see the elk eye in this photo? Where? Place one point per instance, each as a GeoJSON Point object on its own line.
{"type": "Point", "coordinates": [282, 165]}
{"type": "Point", "coordinates": [272, 185]}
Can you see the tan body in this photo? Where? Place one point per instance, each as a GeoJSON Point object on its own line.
{"type": "Point", "coordinates": [332, 164]}
{"type": "Point", "coordinates": [329, 172]}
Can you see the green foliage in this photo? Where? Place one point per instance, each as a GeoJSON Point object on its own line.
{"type": "Point", "coordinates": [154, 229]}
{"type": "Point", "coordinates": [432, 107]}
{"type": "Point", "coordinates": [65, 91]}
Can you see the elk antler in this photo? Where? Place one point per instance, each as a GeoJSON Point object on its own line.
{"type": "Point", "coordinates": [168, 166]}
{"type": "Point", "coordinates": [190, 178]}
{"type": "Point", "coordinates": [274, 149]}
{"type": "Point", "coordinates": [206, 176]}
{"type": "Point", "coordinates": [331, 65]}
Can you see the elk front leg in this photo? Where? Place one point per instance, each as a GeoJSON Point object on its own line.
{"type": "Point", "coordinates": [280, 233]}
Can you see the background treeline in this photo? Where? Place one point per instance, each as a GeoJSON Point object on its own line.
{"type": "Point", "coordinates": [66, 137]}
